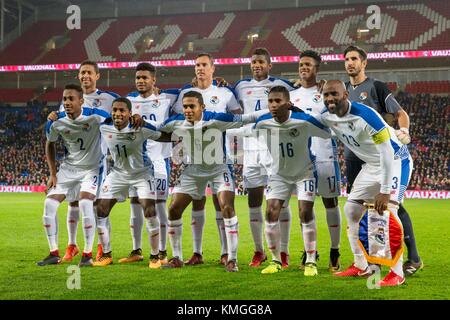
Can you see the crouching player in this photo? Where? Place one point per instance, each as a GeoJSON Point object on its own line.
{"type": "Point", "coordinates": [78, 127]}
{"type": "Point", "coordinates": [202, 135]}
{"type": "Point", "coordinates": [132, 168]}
{"type": "Point", "coordinates": [288, 140]}
{"type": "Point", "coordinates": [384, 176]}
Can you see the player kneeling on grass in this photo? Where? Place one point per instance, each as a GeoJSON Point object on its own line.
{"type": "Point", "coordinates": [289, 131]}
{"type": "Point", "coordinates": [132, 168]}
{"type": "Point", "coordinates": [384, 176]}
{"type": "Point", "coordinates": [202, 137]}
{"type": "Point", "coordinates": [78, 127]}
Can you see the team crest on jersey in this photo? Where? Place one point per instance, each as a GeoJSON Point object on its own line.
{"type": "Point", "coordinates": [317, 97]}
{"type": "Point", "coordinates": [214, 100]}
{"type": "Point", "coordinates": [294, 133]}
{"type": "Point", "coordinates": [131, 136]}
{"type": "Point", "coordinates": [155, 104]}
{"type": "Point", "coordinates": [363, 95]}
{"type": "Point", "coordinates": [351, 126]}
{"type": "Point", "coordinates": [86, 127]}
{"type": "Point", "coordinates": [97, 103]}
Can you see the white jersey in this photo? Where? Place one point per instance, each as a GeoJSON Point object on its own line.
{"type": "Point", "coordinates": [217, 99]}
{"type": "Point", "coordinates": [128, 146]}
{"type": "Point", "coordinates": [289, 142]}
{"type": "Point", "coordinates": [361, 129]}
{"type": "Point", "coordinates": [253, 95]}
{"type": "Point", "coordinates": [310, 101]}
{"type": "Point", "coordinates": [155, 109]}
{"type": "Point", "coordinates": [98, 99]}
{"type": "Point", "coordinates": [81, 137]}
{"type": "Point", "coordinates": [203, 141]}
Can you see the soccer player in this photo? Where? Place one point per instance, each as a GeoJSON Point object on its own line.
{"type": "Point", "coordinates": [309, 99]}
{"type": "Point", "coordinates": [289, 131]}
{"type": "Point", "coordinates": [252, 94]}
{"type": "Point", "coordinates": [376, 94]}
{"type": "Point", "coordinates": [217, 99]}
{"type": "Point", "coordinates": [384, 176]}
{"type": "Point", "coordinates": [202, 136]}
{"type": "Point", "coordinates": [155, 108]}
{"type": "Point", "coordinates": [88, 75]}
{"type": "Point", "coordinates": [132, 168]}
{"type": "Point", "coordinates": [78, 127]}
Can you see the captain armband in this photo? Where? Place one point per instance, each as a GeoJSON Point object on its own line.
{"type": "Point", "coordinates": [381, 136]}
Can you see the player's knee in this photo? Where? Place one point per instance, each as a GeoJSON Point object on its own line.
{"type": "Point", "coordinates": [175, 211]}
{"type": "Point", "coordinates": [273, 212]}
{"type": "Point", "coordinates": [228, 211]}
{"type": "Point", "coordinates": [102, 210]}
{"type": "Point", "coordinates": [149, 211]}
{"type": "Point", "coordinates": [330, 202]}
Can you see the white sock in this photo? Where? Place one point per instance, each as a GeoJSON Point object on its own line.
{"type": "Point", "coordinates": [197, 225]}
{"type": "Point", "coordinates": [136, 224]}
{"type": "Point", "coordinates": [256, 226]}
{"type": "Point", "coordinates": [353, 212]}
{"type": "Point", "coordinates": [103, 234]}
{"type": "Point", "coordinates": [161, 211]}
{"type": "Point", "coordinates": [222, 233]}
{"type": "Point", "coordinates": [273, 233]}
{"type": "Point", "coordinates": [87, 211]}
{"type": "Point", "coordinates": [73, 215]}
{"type": "Point", "coordinates": [398, 267]}
{"type": "Point", "coordinates": [334, 226]}
{"type": "Point", "coordinates": [309, 232]}
{"type": "Point", "coordinates": [50, 221]}
{"type": "Point", "coordinates": [175, 230]}
{"type": "Point", "coordinates": [153, 234]}
{"type": "Point", "coordinates": [285, 228]}
{"type": "Point", "coordinates": [232, 232]}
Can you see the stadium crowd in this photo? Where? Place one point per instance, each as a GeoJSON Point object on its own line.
{"type": "Point", "coordinates": [22, 141]}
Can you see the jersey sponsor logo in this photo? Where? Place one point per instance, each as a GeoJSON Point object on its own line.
{"type": "Point", "coordinates": [363, 95]}
{"type": "Point", "coordinates": [214, 100]}
{"type": "Point", "coordinates": [294, 133]}
{"type": "Point", "coordinates": [317, 97]}
{"type": "Point", "coordinates": [351, 126]}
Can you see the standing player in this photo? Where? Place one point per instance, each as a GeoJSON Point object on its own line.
{"type": "Point", "coordinates": [288, 138]}
{"type": "Point", "coordinates": [376, 94]}
{"type": "Point", "coordinates": [88, 74]}
{"type": "Point", "coordinates": [309, 99]}
{"type": "Point", "coordinates": [79, 129]}
{"type": "Point", "coordinates": [252, 94]}
{"type": "Point", "coordinates": [384, 176]}
{"type": "Point", "coordinates": [202, 135]}
{"type": "Point", "coordinates": [217, 99]}
{"type": "Point", "coordinates": [132, 168]}
{"type": "Point", "coordinates": [155, 108]}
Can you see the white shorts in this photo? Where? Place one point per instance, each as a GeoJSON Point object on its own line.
{"type": "Point", "coordinates": [368, 182]}
{"type": "Point", "coordinates": [161, 169]}
{"type": "Point", "coordinates": [328, 179]}
{"type": "Point", "coordinates": [256, 168]}
{"type": "Point", "coordinates": [282, 188]}
{"type": "Point", "coordinates": [194, 185]}
{"type": "Point", "coordinates": [71, 181]}
{"type": "Point", "coordinates": [118, 184]}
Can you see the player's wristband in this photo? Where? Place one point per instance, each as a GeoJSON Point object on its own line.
{"type": "Point", "coordinates": [404, 130]}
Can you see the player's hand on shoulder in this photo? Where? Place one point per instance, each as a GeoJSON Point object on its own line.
{"type": "Point", "coordinates": [320, 85]}
{"type": "Point", "coordinates": [381, 202]}
{"type": "Point", "coordinates": [221, 82]}
{"type": "Point", "coordinates": [403, 135]}
{"type": "Point", "coordinates": [156, 91]}
{"type": "Point", "coordinates": [137, 121]}
{"type": "Point", "coordinates": [53, 116]}
{"type": "Point", "coordinates": [297, 83]}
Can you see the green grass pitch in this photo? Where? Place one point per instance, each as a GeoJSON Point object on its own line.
{"type": "Point", "coordinates": [23, 242]}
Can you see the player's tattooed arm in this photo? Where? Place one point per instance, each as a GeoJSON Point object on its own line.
{"type": "Point", "coordinates": [50, 153]}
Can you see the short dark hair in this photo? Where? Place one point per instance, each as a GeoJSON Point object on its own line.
{"type": "Point", "coordinates": [312, 54]}
{"type": "Point", "coordinates": [76, 87]}
{"type": "Point", "coordinates": [262, 52]}
{"type": "Point", "coordinates": [206, 54]}
{"type": "Point", "coordinates": [282, 90]}
{"type": "Point", "coordinates": [124, 100]}
{"type": "Point", "coordinates": [90, 63]}
{"type": "Point", "coordinates": [145, 66]}
{"type": "Point", "coordinates": [361, 51]}
{"type": "Point", "coordinates": [194, 94]}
